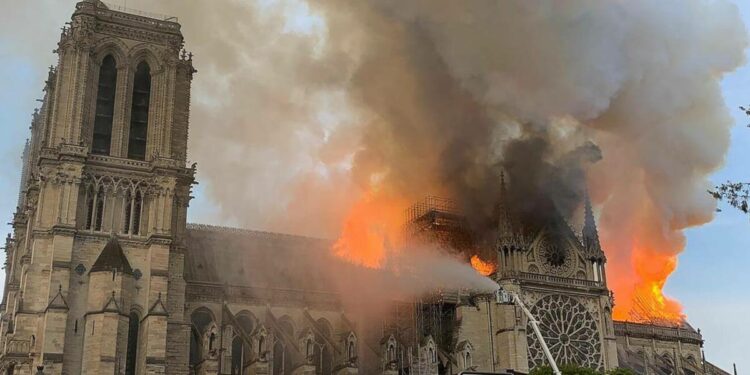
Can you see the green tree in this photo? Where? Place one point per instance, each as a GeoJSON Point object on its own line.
{"type": "Point", "coordinates": [579, 370]}
{"type": "Point", "coordinates": [735, 193]}
{"type": "Point", "coordinates": [566, 370]}
{"type": "Point", "coordinates": [621, 371]}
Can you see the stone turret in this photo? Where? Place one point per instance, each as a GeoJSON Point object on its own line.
{"type": "Point", "coordinates": [510, 240]}
{"type": "Point", "coordinates": [106, 319]}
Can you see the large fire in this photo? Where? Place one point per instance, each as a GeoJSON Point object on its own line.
{"type": "Point", "coordinates": [483, 268]}
{"type": "Point", "coordinates": [371, 230]}
{"type": "Point", "coordinates": [643, 300]}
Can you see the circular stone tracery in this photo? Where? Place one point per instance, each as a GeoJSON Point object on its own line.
{"type": "Point", "coordinates": [569, 330]}
{"type": "Point", "coordinates": [556, 259]}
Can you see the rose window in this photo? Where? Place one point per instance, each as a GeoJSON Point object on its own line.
{"type": "Point", "coordinates": [556, 259]}
{"type": "Point", "coordinates": [569, 330]}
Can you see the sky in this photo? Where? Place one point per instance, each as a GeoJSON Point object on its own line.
{"type": "Point", "coordinates": [711, 280]}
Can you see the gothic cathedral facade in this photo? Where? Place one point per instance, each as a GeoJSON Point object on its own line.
{"type": "Point", "coordinates": [93, 262]}
{"type": "Point", "coordinates": [104, 275]}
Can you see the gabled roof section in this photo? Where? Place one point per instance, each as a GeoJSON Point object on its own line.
{"type": "Point", "coordinates": [112, 258]}
{"type": "Point", "coordinates": [158, 308]}
{"type": "Point", "coordinates": [112, 305]}
{"type": "Point", "coordinates": [58, 301]}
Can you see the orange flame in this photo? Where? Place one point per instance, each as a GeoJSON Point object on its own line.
{"type": "Point", "coordinates": [643, 300]}
{"type": "Point", "coordinates": [370, 230]}
{"type": "Point", "coordinates": [482, 267]}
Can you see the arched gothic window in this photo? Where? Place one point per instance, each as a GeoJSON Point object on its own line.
{"type": "Point", "coordinates": [241, 350]}
{"type": "Point", "coordinates": [278, 359]}
{"type": "Point", "coordinates": [322, 351]}
{"type": "Point", "coordinates": [95, 209]}
{"type": "Point", "coordinates": [309, 348]}
{"type": "Point", "coordinates": [132, 351]}
{"type": "Point", "coordinates": [139, 112]}
{"type": "Point", "coordinates": [467, 360]}
{"type": "Point", "coordinates": [261, 346]}
{"type": "Point", "coordinates": [326, 367]}
{"type": "Point", "coordinates": [105, 107]}
{"type": "Point", "coordinates": [211, 340]}
{"type": "Point", "coordinates": [351, 353]}
{"type": "Point", "coordinates": [282, 356]}
{"type": "Point", "coordinates": [133, 204]}
{"type": "Point", "coordinates": [237, 356]}
{"type": "Point", "coordinates": [201, 320]}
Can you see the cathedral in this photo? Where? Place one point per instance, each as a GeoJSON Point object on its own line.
{"type": "Point", "coordinates": [105, 276]}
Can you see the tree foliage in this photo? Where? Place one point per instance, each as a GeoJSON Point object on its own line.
{"type": "Point", "coordinates": [579, 370]}
{"type": "Point", "coordinates": [736, 194]}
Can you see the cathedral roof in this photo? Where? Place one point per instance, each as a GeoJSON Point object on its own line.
{"type": "Point", "coordinates": [112, 257]}
{"type": "Point", "coordinates": [255, 258]}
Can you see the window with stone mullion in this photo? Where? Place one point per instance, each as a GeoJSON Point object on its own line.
{"type": "Point", "coordinates": [139, 112]}
{"type": "Point", "coordinates": [105, 106]}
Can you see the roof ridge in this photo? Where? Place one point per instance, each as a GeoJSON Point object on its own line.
{"type": "Point", "coordinates": [235, 230]}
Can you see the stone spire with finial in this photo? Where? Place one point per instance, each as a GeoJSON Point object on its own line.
{"type": "Point", "coordinates": [589, 232]}
{"type": "Point", "coordinates": [509, 233]}
{"type": "Point", "coordinates": [504, 225]}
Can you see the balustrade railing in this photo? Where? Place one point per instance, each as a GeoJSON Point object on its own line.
{"type": "Point", "coordinates": [18, 347]}
{"type": "Point", "coordinates": [140, 13]}
{"type": "Point", "coordinates": [553, 279]}
{"type": "Point", "coordinates": [655, 331]}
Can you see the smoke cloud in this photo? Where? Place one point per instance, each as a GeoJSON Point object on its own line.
{"type": "Point", "coordinates": [302, 107]}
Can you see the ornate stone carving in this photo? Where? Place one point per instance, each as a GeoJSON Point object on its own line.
{"type": "Point", "coordinates": [555, 258]}
{"type": "Point", "coordinates": [570, 331]}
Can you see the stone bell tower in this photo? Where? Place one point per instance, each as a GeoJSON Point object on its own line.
{"type": "Point", "coordinates": [94, 270]}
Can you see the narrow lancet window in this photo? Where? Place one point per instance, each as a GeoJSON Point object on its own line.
{"type": "Point", "coordinates": [90, 210]}
{"type": "Point", "coordinates": [132, 222]}
{"type": "Point", "coordinates": [131, 354]}
{"type": "Point", "coordinates": [139, 112]}
{"type": "Point", "coordinates": [128, 205]}
{"type": "Point", "coordinates": [98, 214]}
{"type": "Point", "coordinates": [105, 106]}
{"type": "Point", "coordinates": [95, 209]}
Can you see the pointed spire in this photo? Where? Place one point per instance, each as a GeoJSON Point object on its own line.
{"type": "Point", "coordinates": [509, 234]}
{"type": "Point", "coordinates": [589, 232]}
{"type": "Point", "coordinates": [504, 225]}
